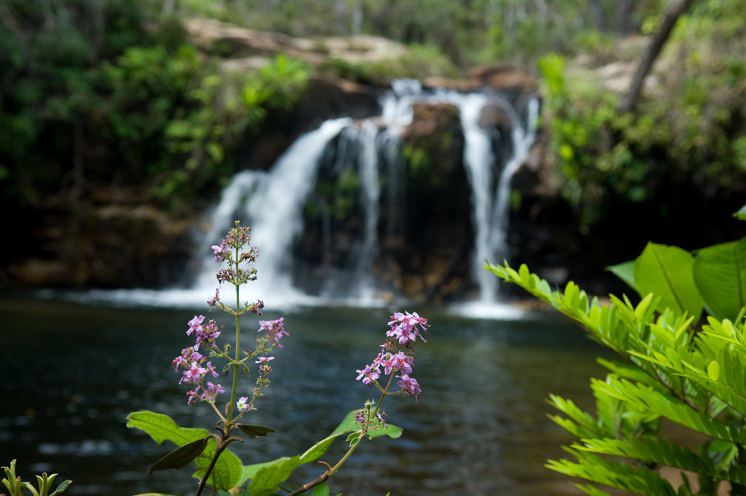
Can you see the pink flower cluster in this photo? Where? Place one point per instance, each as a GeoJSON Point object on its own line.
{"type": "Point", "coordinates": [195, 370]}
{"type": "Point", "coordinates": [275, 330]}
{"type": "Point", "coordinates": [204, 333]}
{"type": "Point", "coordinates": [404, 330]}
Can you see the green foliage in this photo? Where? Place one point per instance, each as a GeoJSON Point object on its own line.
{"type": "Point", "coordinates": [110, 103]}
{"type": "Point", "coordinates": [687, 130]}
{"type": "Point", "coordinates": [198, 445]}
{"type": "Point", "coordinates": [669, 368]}
{"type": "Point", "coordinates": [160, 427]}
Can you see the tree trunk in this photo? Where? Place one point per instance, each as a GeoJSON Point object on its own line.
{"type": "Point", "coordinates": [675, 10]}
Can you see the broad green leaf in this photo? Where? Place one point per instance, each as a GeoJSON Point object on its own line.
{"type": "Point", "coordinates": [666, 271]}
{"type": "Point", "coordinates": [268, 475]}
{"type": "Point", "coordinates": [720, 275]}
{"type": "Point", "coordinates": [625, 272]}
{"type": "Point", "coordinates": [180, 457]}
{"type": "Point", "coordinates": [273, 474]}
{"type": "Point", "coordinates": [255, 430]}
{"type": "Point", "coordinates": [160, 427]}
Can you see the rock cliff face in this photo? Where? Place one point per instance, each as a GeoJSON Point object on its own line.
{"type": "Point", "coordinates": [114, 239]}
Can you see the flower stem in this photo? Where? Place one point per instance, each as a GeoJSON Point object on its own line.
{"type": "Point", "coordinates": [331, 471]}
{"type": "Point", "coordinates": [234, 386]}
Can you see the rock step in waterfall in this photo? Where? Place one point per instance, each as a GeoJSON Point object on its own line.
{"type": "Point", "coordinates": [348, 181]}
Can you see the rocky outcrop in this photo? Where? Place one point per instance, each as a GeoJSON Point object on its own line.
{"type": "Point", "coordinates": [249, 48]}
{"type": "Point", "coordinates": [114, 239]}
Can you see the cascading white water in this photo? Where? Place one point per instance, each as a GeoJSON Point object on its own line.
{"type": "Point", "coordinates": [272, 202]}
{"type": "Point", "coordinates": [370, 196]}
{"type": "Point", "coordinates": [478, 160]}
{"type": "Point", "coordinates": [273, 212]}
{"type": "Point", "coordinates": [523, 138]}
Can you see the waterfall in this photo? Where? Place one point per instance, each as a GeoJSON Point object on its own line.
{"type": "Point", "coordinates": [273, 212]}
{"type": "Point", "coordinates": [522, 139]}
{"type": "Point", "coordinates": [272, 202]}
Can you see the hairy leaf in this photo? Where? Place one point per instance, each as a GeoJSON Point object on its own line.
{"type": "Point", "coordinates": [160, 427]}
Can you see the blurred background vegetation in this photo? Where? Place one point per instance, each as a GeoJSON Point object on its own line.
{"type": "Point", "coordinates": [115, 92]}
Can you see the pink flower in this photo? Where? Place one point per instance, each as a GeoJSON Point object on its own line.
{"type": "Point", "coordinates": [406, 327]}
{"type": "Point", "coordinates": [242, 404]}
{"type": "Point", "coordinates": [409, 385]}
{"type": "Point", "coordinates": [193, 374]}
{"type": "Point", "coordinates": [275, 330]}
{"type": "Point", "coordinates": [195, 324]}
{"type": "Point", "coordinates": [214, 301]}
{"type": "Point", "coordinates": [368, 374]}
{"type": "Point", "coordinates": [212, 391]}
{"type": "Point", "coordinates": [404, 362]}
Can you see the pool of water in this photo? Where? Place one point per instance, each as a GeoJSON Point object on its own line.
{"type": "Point", "coordinates": [71, 372]}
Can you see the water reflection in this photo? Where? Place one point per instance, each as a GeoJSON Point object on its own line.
{"type": "Point", "coordinates": [73, 372]}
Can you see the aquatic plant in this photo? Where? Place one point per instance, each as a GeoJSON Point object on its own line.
{"type": "Point", "coordinates": [216, 465]}
{"type": "Point", "coordinates": [672, 369]}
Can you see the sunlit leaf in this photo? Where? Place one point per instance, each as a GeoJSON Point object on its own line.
{"type": "Point", "coordinates": [666, 271]}
{"type": "Point", "coordinates": [720, 275]}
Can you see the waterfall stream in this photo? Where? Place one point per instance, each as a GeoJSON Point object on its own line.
{"type": "Point", "coordinates": [274, 211]}
{"type": "Point", "coordinates": [272, 203]}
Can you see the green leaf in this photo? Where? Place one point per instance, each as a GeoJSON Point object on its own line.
{"type": "Point", "coordinates": [268, 475]}
{"type": "Point", "coordinates": [160, 427]}
{"type": "Point", "coordinates": [720, 275]}
{"type": "Point", "coordinates": [180, 457]}
{"type": "Point", "coordinates": [321, 490]}
{"type": "Point", "coordinates": [61, 488]}
{"type": "Point", "coordinates": [271, 475]}
{"type": "Point", "coordinates": [350, 424]}
{"type": "Point", "coordinates": [255, 430]}
{"type": "Point", "coordinates": [666, 271]}
{"type": "Point", "coordinates": [625, 272]}
{"type": "Point", "coordinates": [713, 370]}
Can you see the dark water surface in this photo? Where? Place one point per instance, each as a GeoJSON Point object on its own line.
{"type": "Point", "coordinates": [71, 373]}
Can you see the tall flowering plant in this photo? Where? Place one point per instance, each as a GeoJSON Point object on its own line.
{"type": "Point", "coordinates": [196, 365]}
